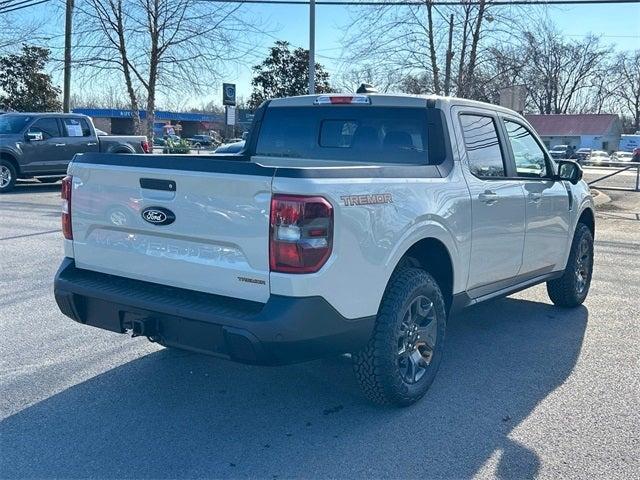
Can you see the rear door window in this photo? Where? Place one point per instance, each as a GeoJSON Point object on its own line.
{"type": "Point", "coordinates": [356, 134]}
{"type": "Point", "coordinates": [77, 127]}
{"type": "Point", "coordinates": [482, 145]}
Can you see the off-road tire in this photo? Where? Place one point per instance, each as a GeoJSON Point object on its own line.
{"type": "Point", "coordinates": [376, 366]}
{"type": "Point", "coordinates": [565, 291]}
{"type": "Point", "coordinates": [6, 164]}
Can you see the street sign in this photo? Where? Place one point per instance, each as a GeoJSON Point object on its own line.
{"type": "Point", "coordinates": [229, 94]}
{"type": "Point", "coordinates": [231, 115]}
{"type": "Point", "coordinates": [513, 97]}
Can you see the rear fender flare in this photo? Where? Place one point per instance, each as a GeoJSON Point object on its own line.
{"type": "Point", "coordinates": [430, 228]}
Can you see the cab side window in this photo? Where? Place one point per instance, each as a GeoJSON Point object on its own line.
{"type": "Point", "coordinates": [47, 126]}
{"type": "Point", "coordinates": [483, 146]}
{"type": "Point", "coordinates": [77, 127]}
{"type": "Point", "coordinates": [529, 157]}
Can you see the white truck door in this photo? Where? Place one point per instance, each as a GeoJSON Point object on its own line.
{"type": "Point", "coordinates": [497, 203]}
{"type": "Point", "coordinates": [547, 202]}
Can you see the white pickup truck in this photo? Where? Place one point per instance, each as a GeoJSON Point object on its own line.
{"type": "Point", "coordinates": [348, 224]}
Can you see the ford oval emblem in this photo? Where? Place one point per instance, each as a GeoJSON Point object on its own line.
{"type": "Point", "coordinates": [158, 215]}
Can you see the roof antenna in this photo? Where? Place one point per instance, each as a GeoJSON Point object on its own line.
{"type": "Point", "coordinates": [366, 88]}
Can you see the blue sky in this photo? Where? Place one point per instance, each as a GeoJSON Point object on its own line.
{"type": "Point", "coordinates": [618, 23]}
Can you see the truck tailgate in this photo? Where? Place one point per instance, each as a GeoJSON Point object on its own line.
{"type": "Point", "coordinates": [189, 222]}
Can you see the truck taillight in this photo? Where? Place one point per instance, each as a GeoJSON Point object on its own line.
{"type": "Point", "coordinates": [65, 194]}
{"type": "Point", "coordinates": [301, 233]}
{"type": "Point", "coordinates": [145, 146]}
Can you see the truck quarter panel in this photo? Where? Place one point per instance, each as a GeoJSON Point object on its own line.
{"type": "Point", "coordinates": [376, 222]}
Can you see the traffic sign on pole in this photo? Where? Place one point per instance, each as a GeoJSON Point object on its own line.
{"type": "Point", "coordinates": [229, 94]}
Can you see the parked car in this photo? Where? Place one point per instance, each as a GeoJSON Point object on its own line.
{"type": "Point", "coordinates": [561, 151]}
{"type": "Point", "coordinates": [201, 141]}
{"type": "Point", "coordinates": [598, 156]}
{"type": "Point", "coordinates": [227, 148]}
{"type": "Point", "coordinates": [622, 157]}
{"type": "Point", "coordinates": [354, 223]}
{"type": "Point", "coordinates": [582, 154]}
{"type": "Point", "coordinates": [41, 145]}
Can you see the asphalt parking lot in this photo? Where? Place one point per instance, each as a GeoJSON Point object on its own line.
{"type": "Point", "coordinates": [525, 389]}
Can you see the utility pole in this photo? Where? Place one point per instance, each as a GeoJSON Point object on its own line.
{"type": "Point", "coordinates": [312, 47]}
{"type": "Point", "coordinates": [68, 23]}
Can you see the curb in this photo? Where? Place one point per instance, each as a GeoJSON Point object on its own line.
{"type": "Point", "coordinates": [599, 198]}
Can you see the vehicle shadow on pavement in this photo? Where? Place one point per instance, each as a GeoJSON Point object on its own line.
{"type": "Point", "coordinates": [31, 187]}
{"type": "Point", "coordinates": [177, 414]}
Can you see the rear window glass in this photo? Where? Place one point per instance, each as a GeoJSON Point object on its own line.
{"type": "Point", "coordinates": [347, 133]}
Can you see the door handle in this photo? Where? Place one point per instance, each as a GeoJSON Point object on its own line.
{"type": "Point", "coordinates": [488, 197]}
{"type": "Point", "coordinates": [535, 197]}
{"type": "Point", "coordinates": [91, 144]}
{"type": "Point", "coordinates": [61, 144]}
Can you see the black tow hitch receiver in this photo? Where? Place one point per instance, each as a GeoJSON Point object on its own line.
{"type": "Point", "coordinates": [143, 327]}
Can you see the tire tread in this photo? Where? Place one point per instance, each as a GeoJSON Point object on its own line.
{"type": "Point", "coordinates": [561, 291]}
{"type": "Point", "coordinates": [371, 367]}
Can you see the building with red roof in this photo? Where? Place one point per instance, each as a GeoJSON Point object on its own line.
{"type": "Point", "coordinates": [595, 131]}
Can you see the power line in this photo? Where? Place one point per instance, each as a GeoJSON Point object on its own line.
{"type": "Point", "coordinates": [366, 3]}
{"type": "Point", "coordinates": [435, 3]}
{"type": "Point", "coordinates": [12, 7]}
{"type": "Point", "coordinates": [20, 5]}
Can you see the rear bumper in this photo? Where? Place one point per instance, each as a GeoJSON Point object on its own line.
{"type": "Point", "coordinates": [284, 330]}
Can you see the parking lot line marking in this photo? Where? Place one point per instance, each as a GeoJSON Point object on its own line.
{"type": "Point", "coordinates": [30, 234]}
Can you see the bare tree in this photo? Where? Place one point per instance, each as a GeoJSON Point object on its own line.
{"type": "Point", "coordinates": [107, 97]}
{"type": "Point", "coordinates": [15, 32]}
{"type": "Point", "coordinates": [420, 42]}
{"type": "Point", "coordinates": [468, 76]}
{"type": "Point", "coordinates": [384, 79]}
{"type": "Point", "coordinates": [626, 72]}
{"type": "Point", "coordinates": [559, 71]}
{"type": "Point", "coordinates": [502, 66]}
{"type": "Point", "coordinates": [172, 46]}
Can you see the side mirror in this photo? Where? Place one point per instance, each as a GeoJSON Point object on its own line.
{"type": "Point", "coordinates": [569, 170]}
{"type": "Point", "coordinates": [33, 136]}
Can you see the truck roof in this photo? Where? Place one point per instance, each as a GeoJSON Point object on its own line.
{"type": "Point", "coordinates": [391, 100]}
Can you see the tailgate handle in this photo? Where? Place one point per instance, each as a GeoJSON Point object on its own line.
{"type": "Point", "coordinates": [158, 184]}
